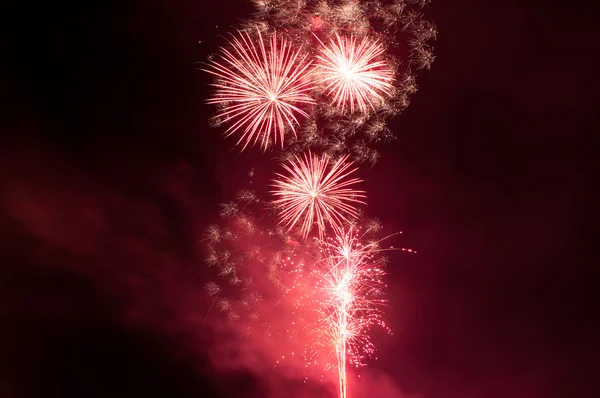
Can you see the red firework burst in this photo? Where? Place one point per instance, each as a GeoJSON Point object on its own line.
{"type": "Point", "coordinates": [355, 73]}
{"type": "Point", "coordinates": [313, 192]}
{"type": "Point", "coordinates": [261, 86]}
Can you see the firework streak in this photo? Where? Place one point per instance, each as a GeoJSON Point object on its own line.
{"type": "Point", "coordinates": [318, 81]}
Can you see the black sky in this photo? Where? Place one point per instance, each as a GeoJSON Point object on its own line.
{"type": "Point", "coordinates": [109, 172]}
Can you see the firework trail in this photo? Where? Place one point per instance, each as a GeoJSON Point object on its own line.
{"type": "Point", "coordinates": [351, 284]}
{"type": "Point", "coordinates": [314, 192]}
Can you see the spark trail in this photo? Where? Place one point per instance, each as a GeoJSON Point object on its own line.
{"type": "Point", "coordinates": [352, 286]}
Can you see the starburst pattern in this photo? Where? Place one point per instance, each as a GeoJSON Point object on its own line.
{"type": "Point", "coordinates": [361, 60]}
{"type": "Point", "coordinates": [315, 192]}
{"type": "Point", "coordinates": [262, 88]}
{"type": "Point", "coordinates": [354, 72]}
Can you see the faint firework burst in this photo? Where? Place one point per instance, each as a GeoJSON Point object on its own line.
{"type": "Point", "coordinates": [261, 87]}
{"type": "Point", "coordinates": [243, 250]}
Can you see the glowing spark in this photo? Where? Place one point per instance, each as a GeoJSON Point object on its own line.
{"type": "Point", "coordinates": [354, 73]}
{"type": "Point", "coordinates": [261, 86]}
{"type": "Point", "coordinates": [313, 192]}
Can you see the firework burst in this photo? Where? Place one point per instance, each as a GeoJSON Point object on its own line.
{"type": "Point", "coordinates": [354, 73]}
{"type": "Point", "coordinates": [339, 82]}
{"type": "Point", "coordinates": [262, 88]}
{"type": "Point", "coordinates": [314, 192]}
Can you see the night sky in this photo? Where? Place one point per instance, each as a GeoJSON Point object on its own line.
{"type": "Point", "coordinates": [109, 174]}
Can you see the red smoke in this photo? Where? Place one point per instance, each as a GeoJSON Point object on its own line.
{"type": "Point", "coordinates": [129, 248]}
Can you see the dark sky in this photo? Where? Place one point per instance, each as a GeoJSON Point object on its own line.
{"type": "Point", "coordinates": [109, 173]}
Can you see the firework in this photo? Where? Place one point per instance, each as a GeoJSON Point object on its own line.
{"type": "Point", "coordinates": [351, 282]}
{"type": "Point", "coordinates": [318, 75]}
{"type": "Point", "coordinates": [354, 73]}
{"type": "Point", "coordinates": [312, 301]}
{"type": "Point", "coordinates": [318, 79]}
{"type": "Point", "coordinates": [314, 192]}
{"type": "Point", "coordinates": [336, 294]}
{"type": "Point", "coordinates": [261, 87]}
